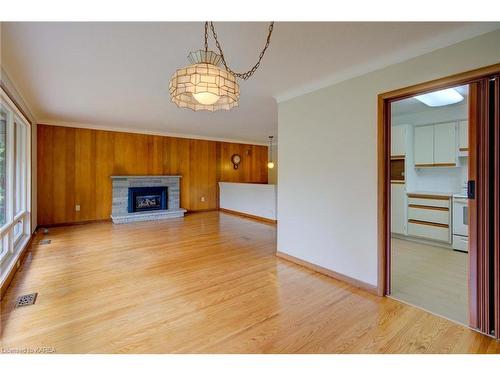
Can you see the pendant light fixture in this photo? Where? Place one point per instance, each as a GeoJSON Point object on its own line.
{"type": "Point", "coordinates": [208, 84]}
{"type": "Point", "coordinates": [270, 163]}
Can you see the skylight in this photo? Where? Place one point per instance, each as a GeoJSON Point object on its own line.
{"type": "Point", "coordinates": [440, 98]}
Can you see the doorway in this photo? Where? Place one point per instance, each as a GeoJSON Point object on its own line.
{"type": "Point", "coordinates": [429, 205]}
{"type": "Point", "coordinates": [438, 197]}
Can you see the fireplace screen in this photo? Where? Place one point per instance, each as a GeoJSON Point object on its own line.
{"type": "Point", "coordinates": [147, 198]}
{"type": "Point", "coordinates": [148, 201]}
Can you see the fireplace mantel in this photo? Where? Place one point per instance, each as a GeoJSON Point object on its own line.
{"type": "Point", "coordinates": [121, 185]}
{"type": "Point", "coordinates": [139, 176]}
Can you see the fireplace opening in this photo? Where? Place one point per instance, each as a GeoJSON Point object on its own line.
{"type": "Point", "coordinates": [147, 198]}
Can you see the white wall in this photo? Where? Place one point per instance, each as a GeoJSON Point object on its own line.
{"type": "Point", "coordinates": [445, 180]}
{"type": "Point", "coordinates": [432, 115]}
{"type": "Point", "coordinates": [253, 199]}
{"type": "Point", "coordinates": [327, 190]}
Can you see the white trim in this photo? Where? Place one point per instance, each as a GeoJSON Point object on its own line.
{"type": "Point", "coordinates": [7, 99]}
{"type": "Point", "coordinates": [8, 226]}
{"type": "Point", "coordinates": [16, 247]}
{"type": "Point", "coordinates": [146, 132]}
{"type": "Point", "coordinates": [12, 263]}
{"type": "Point", "coordinates": [9, 161]}
{"type": "Point", "coordinates": [22, 102]}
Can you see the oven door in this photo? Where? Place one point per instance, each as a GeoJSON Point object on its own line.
{"type": "Point", "coordinates": [460, 217]}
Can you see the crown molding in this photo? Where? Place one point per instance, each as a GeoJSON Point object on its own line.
{"type": "Point", "coordinates": [454, 37]}
{"type": "Point", "coordinates": [146, 132]}
{"type": "Point", "coordinates": [9, 88]}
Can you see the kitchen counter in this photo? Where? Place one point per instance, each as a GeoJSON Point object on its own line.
{"type": "Point", "coordinates": [436, 193]}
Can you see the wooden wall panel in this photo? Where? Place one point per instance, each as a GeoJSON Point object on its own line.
{"type": "Point", "coordinates": [63, 160]}
{"type": "Point", "coordinates": [259, 158]}
{"type": "Point", "coordinates": [249, 170]}
{"type": "Point", "coordinates": [104, 165]}
{"type": "Point", "coordinates": [84, 178]}
{"type": "Point", "coordinates": [45, 171]}
{"type": "Point", "coordinates": [74, 166]}
{"type": "Point", "coordinates": [202, 175]}
{"type": "Point", "coordinates": [175, 161]}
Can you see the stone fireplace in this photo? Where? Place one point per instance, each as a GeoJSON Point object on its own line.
{"type": "Point", "coordinates": [141, 198]}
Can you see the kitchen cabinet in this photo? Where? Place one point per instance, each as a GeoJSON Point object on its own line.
{"type": "Point", "coordinates": [424, 145]}
{"type": "Point", "coordinates": [398, 170]}
{"type": "Point", "coordinates": [398, 140]}
{"type": "Point", "coordinates": [436, 145]}
{"type": "Point", "coordinates": [463, 137]}
{"type": "Point", "coordinates": [398, 208]}
{"type": "Point", "coordinates": [429, 217]}
{"type": "Point", "coordinates": [425, 200]}
{"type": "Point", "coordinates": [445, 143]}
{"type": "Point", "coordinates": [428, 231]}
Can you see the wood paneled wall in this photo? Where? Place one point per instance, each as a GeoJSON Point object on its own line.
{"type": "Point", "coordinates": [74, 166]}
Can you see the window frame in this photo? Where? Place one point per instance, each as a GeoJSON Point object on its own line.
{"type": "Point", "coordinates": [18, 187]}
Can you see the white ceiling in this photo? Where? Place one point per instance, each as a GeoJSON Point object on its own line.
{"type": "Point", "coordinates": [411, 105]}
{"type": "Point", "coordinates": [116, 75]}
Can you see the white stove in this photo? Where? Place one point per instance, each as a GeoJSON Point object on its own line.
{"type": "Point", "coordinates": [460, 222]}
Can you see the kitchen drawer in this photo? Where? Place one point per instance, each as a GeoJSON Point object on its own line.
{"type": "Point", "coordinates": [424, 201]}
{"type": "Point", "coordinates": [433, 215]}
{"type": "Point", "coordinates": [429, 231]}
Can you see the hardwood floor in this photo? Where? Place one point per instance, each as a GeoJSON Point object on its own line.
{"type": "Point", "coordinates": [207, 283]}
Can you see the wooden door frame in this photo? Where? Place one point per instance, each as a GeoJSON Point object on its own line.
{"type": "Point", "coordinates": [383, 166]}
{"type": "Point", "coordinates": [496, 205]}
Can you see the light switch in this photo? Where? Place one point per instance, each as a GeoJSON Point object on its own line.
{"type": "Point", "coordinates": [203, 199]}
{"type": "Point", "coordinates": [77, 207]}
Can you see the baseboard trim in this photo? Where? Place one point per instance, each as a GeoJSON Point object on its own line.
{"type": "Point", "coordinates": [18, 264]}
{"type": "Point", "coordinates": [423, 241]}
{"type": "Point", "coordinates": [72, 223]}
{"type": "Point", "coordinates": [324, 271]}
{"type": "Point", "coordinates": [201, 210]}
{"type": "Point", "coordinates": [248, 216]}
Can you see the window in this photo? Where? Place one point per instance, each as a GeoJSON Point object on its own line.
{"type": "Point", "coordinates": [3, 165]}
{"type": "Point", "coordinates": [20, 165]}
{"type": "Point", "coordinates": [14, 184]}
{"type": "Point", "coordinates": [18, 230]}
{"type": "Point", "coordinates": [3, 174]}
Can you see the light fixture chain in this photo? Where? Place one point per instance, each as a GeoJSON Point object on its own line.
{"type": "Point", "coordinates": [248, 74]}
{"type": "Point", "coordinates": [206, 36]}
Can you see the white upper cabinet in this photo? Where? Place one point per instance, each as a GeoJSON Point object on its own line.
{"type": "Point", "coordinates": [436, 145]}
{"type": "Point", "coordinates": [398, 140]}
{"type": "Point", "coordinates": [445, 143]}
{"type": "Point", "coordinates": [463, 135]}
{"type": "Point", "coordinates": [424, 145]}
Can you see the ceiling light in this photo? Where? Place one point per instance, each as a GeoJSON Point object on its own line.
{"type": "Point", "coordinates": [270, 164]}
{"type": "Point", "coordinates": [440, 98]}
{"type": "Point", "coordinates": [208, 84]}
{"type": "Point", "coordinates": [204, 85]}
{"type": "Point", "coordinates": [206, 98]}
